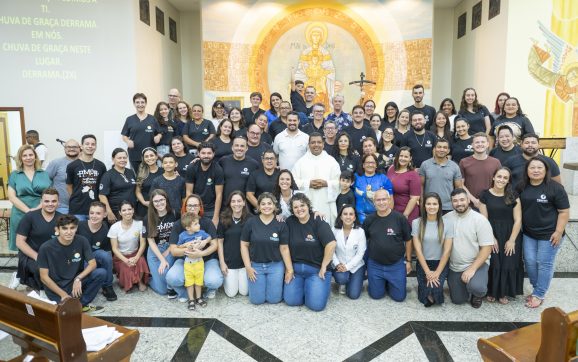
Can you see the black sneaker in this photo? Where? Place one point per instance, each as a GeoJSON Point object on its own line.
{"type": "Point", "coordinates": [92, 310]}
{"type": "Point", "coordinates": [109, 294]}
{"type": "Point", "coordinates": [476, 302]}
{"type": "Point", "coordinates": [171, 294]}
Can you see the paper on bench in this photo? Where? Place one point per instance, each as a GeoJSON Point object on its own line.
{"type": "Point", "coordinates": [35, 295]}
{"type": "Point", "coordinates": [97, 338]}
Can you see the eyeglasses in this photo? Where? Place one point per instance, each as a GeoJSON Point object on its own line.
{"type": "Point", "coordinates": [268, 158]}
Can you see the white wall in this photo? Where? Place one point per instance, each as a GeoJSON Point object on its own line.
{"type": "Point", "coordinates": [443, 34]}
{"type": "Point", "coordinates": [191, 57]}
{"type": "Point", "coordinates": [480, 55]}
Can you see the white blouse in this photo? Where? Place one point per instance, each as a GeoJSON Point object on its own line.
{"type": "Point", "coordinates": [128, 240]}
{"type": "Point", "coordinates": [350, 252]}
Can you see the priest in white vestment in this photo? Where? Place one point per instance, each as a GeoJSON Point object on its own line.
{"type": "Point", "coordinates": [317, 175]}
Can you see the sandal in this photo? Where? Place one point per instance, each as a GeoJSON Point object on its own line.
{"type": "Point", "coordinates": [490, 299]}
{"type": "Point", "coordinates": [534, 302]}
{"type": "Point", "coordinates": [201, 302]}
{"type": "Point", "coordinates": [504, 300]}
{"type": "Point", "coordinates": [191, 305]}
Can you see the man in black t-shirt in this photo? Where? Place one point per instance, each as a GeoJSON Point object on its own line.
{"type": "Point", "coordinates": [530, 148]}
{"type": "Point", "coordinates": [389, 240]}
{"type": "Point", "coordinates": [280, 124]}
{"type": "Point", "coordinates": [255, 147]}
{"type": "Point", "coordinates": [420, 140]}
{"type": "Point", "coordinates": [297, 91]}
{"type": "Point", "coordinates": [250, 114]}
{"type": "Point", "coordinates": [34, 229]}
{"type": "Point", "coordinates": [429, 112]}
{"type": "Point", "coordinates": [96, 232]}
{"type": "Point", "coordinates": [67, 266]}
{"type": "Point", "coordinates": [83, 178]}
{"type": "Point", "coordinates": [506, 147]}
{"type": "Point", "coordinates": [205, 178]}
{"type": "Point", "coordinates": [358, 131]}
{"type": "Point", "coordinates": [237, 168]}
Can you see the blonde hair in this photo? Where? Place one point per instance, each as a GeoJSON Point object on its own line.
{"type": "Point", "coordinates": [18, 160]}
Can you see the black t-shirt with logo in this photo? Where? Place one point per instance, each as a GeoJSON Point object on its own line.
{"type": "Point", "coordinates": [174, 188]}
{"type": "Point", "coordinates": [236, 173]}
{"type": "Point", "coordinates": [199, 132]}
{"type": "Point", "coordinates": [206, 225]}
{"type": "Point", "coordinates": [307, 241]}
{"type": "Point", "coordinates": [476, 120]}
{"type": "Point", "coordinates": [358, 135]}
{"type": "Point", "coordinates": [540, 205]}
{"type": "Point", "coordinates": [183, 163]}
{"type": "Point", "coordinates": [64, 262]}
{"type": "Point", "coordinates": [260, 182]}
{"type": "Point", "coordinates": [85, 180]}
{"type": "Point", "coordinates": [421, 146]}
{"type": "Point", "coordinates": [98, 240]}
{"type": "Point", "coordinates": [502, 155]}
{"type": "Point", "coordinates": [164, 228]}
{"type": "Point", "coordinates": [386, 237]}
{"type": "Point", "coordinates": [462, 149]}
{"type": "Point", "coordinates": [221, 148]}
{"type": "Point", "coordinates": [265, 239]}
{"type": "Point", "coordinates": [257, 152]}
{"type": "Point", "coordinates": [142, 133]}
{"type": "Point", "coordinates": [118, 187]}
{"type": "Point", "coordinates": [36, 229]}
{"type": "Point", "coordinates": [232, 243]}
{"type": "Point", "coordinates": [429, 113]}
{"type": "Point", "coordinates": [204, 182]}
{"type": "Point", "coordinates": [517, 164]}
{"type": "Point", "coordinates": [349, 163]}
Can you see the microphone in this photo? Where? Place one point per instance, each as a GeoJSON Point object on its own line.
{"type": "Point", "coordinates": [60, 141]}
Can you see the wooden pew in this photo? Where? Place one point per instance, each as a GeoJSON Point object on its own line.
{"type": "Point", "coordinates": [53, 331]}
{"type": "Point", "coordinates": [551, 340]}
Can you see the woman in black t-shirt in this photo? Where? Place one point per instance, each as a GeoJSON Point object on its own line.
{"type": "Point", "coordinates": [344, 154]}
{"type": "Point", "coordinates": [231, 224]}
{"type": "Point", "coordinates": [387, 145]}
{"type": "Point", "coordinates": [462, 145]}
{"type": "Point", "coordinates": [224, 140]}
{"type": "Point", "coordinates": [545, 213]}
{"type": "Point", "coordinates": [117, 185]}
{"type": "Point", "coordinates": [157, 229]}
{"type": "Point", "coordinates": [147, 172]}
{"type": "Point", "coordinates": [167, 128]}
{"type": "Point", "coordinates": [198, 129]}
{"type": "Point", "coordinates": [477, 114]}
{"type": "Point", "coordinates": [265, 253]}
{"type": "Point", "coordinates": [312, 244]}
{"type": "Point", "coordinates": [183, 157]}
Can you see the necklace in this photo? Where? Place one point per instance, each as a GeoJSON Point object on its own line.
{"type": "Point", "coordinates": [196, 127]}
{"type": "Point", "coordinates": [236, 220]}
{"type": "Point", "coordinates": [84, 166]}
{"type": "Point", "coordinates": [422, 140]}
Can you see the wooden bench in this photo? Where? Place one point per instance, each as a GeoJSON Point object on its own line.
{"type": "Point", "coordinates": [552, 340]}
{"type": "Point", "coordinates": [53, 331]}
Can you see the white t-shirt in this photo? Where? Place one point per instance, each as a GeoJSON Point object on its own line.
{"type": "Point", "coordinates": [128, 240]}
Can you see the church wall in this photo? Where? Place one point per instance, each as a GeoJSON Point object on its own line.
{"type": "Point", "coordinates": [443, 34]}
{"type": "Point", "coordinates": [191, 57]}
{"type": "Point", "coordinates": [479, 56]}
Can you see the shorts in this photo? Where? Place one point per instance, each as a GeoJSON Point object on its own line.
{"type": "Point", "coordinates": [194, 273]}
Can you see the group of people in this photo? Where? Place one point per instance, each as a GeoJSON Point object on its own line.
{"type": "Point", "coordinates": [274, 204]}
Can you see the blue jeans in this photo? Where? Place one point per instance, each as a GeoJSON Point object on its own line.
{"type": "Point", "coordinates": [104, 260]}
{"type": "Point", "coordinates": [308, 288]}
{"type": "Point", "coordinates": [390, 278]}
{"type": "Point", "coordinates": [90, 287]}
{"type": "Point", "coordinates": [539, 256]}
{"type": "Point", "coordinates": [213, 278]}
{"type": "Point", "coordinates": [353, 281]}
{"type": "Point", "coordinates": [158, 282]}
{"type": "Point", "coordinates": [268, 287]}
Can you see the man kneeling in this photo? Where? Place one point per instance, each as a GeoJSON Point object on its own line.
{"type": "Point", "coordinates": [61, 261]}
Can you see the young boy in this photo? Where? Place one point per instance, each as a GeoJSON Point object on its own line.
{"type": "Point", "coordinates": [191, 239]}
{"type": "Point", "coordinates": [346, 196]}
{"type": "Point", "coordinates": [61, 261]}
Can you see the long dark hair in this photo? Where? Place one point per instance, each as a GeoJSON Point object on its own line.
{"type": "Point", "coordinates": [509, 194]}
{"type": "Point", "coordinates": [434, 127]}
{"type": "Point", "coordinates": [410, 166]}
{"type": "Point", "coordinates": [526, 179]}
{"type": "Point", "coordinates": [439, 217]}
{"type": "Point", "coordinates": [339, 222]}
{"type": "Point", "coordinates": [158, 116]}
{"type": "Point", "coordinates": [350, 150]}
{"type": "Point", "coordinates": [277, 188]}
{"type": "Point", "coordinates": [153, 219]}
{"type": "Point", "coordinates": [242, 123]}
{"type": "Point", "coordinates": [451, 102]}
{"type": "Point", "coordinates": [475, 105]}
{"type": "Point", "coordinates": [387, 105]}
{"type": "Point", "coordinates": [227, 214]}
{"type": "Point", "coordinates": [271, 108]}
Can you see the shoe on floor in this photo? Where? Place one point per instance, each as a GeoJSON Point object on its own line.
{"type": "Point", "coordinates": [201, 302]}
{"type": "Point", "coordinates": [191, 305]}
{"type": "Point", "coordinates": [14, 281]}
{"type": "Point", "coordinates": [210, 294]}
{"type": "Point", "coordinates": [109, 294]}
{"type": "Point", "coordinates": [342, 289]}
{"type": "Point", "coordinates": [92, 309]}
{"type": "Point", "coordinates": [183, 300]}
{"type": "Point", "coordinates": [476, 302]}
{"type": "Point", "coordinates": [171, 294]}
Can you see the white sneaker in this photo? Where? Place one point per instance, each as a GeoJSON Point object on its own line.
{"type": "Point", "coordinates": [14, 281]}
{"type": "Point", "coordinates": [342, 289]}
{"type": "Point", "coordinates": [210, 294]}
{"type": "Point", "coordinates": [183, 300]}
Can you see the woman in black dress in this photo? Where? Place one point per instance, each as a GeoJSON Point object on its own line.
{"type": "Point", "coordinates": [503, 209]}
